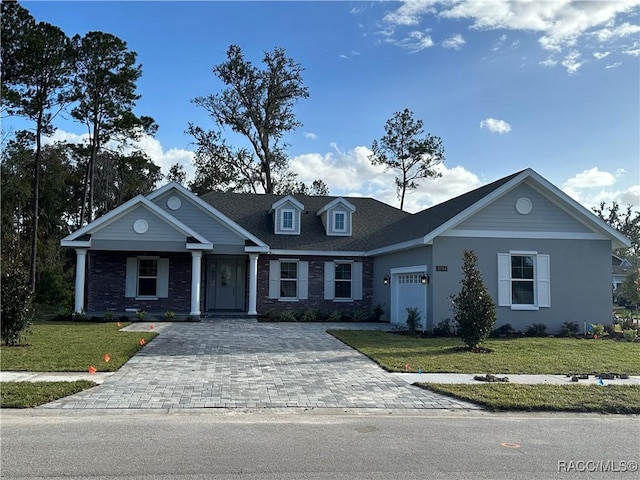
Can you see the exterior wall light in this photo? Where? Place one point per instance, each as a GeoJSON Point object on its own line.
{"type": "Point", "coordinates": [386, 280]}
{"type": "Point", "coordinates": [424, 279]}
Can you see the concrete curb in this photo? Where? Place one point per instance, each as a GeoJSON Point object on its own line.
{"type": "Point", "coordinates": [467, 378]}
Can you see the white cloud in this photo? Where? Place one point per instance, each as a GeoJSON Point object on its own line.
{"type": "Point", "coordinates": [494, 125]}
{"type": "Point", "coordinates": [560, 24]}
{"type": "Point", "coordinates": [415, 41]}
{"type": "Point", "coordinates": [591, 178]}
{"type": "Point", "coordinates": [350, 173]}
{"type": "Point", "coordinates": [601, 55]}
{"type": "Point", "coordinates": [548, 62]}
{"type": "Point", "coordinates": [151, 146]}
{"type": "Point", "coordinates": [572, 62]}
{"type": "Point", "coordinates": [456, 42]}
{"type": "Point", "coordinates": [310, 135]}
{"type": "Point", "coordinates": [613, 65]}
{"type": "Point", "coordinates": [593, 186]}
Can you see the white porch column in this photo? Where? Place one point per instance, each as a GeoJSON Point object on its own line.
{"type": "Point", "coordinates": [81, 266]}
{"type": "Point", "coordinates": [196, 262]}
{"type": "Point", "coordinates": [253, 283]}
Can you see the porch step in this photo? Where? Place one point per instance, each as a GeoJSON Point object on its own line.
{"type": "Point", "coordinates": [212, 316]}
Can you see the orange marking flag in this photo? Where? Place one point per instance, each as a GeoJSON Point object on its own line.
{"type": "Point", "coordinates": [152, 326]}
{"type": "Point", "coordinates": [142, 342]}
{"type": "Point", "coordinates": [107, 357]}
{"type": "Point", "coordinates": [92, 369]}
{"type": "Point", "coordinates": [119, 324]}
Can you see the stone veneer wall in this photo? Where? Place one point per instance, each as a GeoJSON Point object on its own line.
{"type": "Point", "coordinates": [316, 286]}
{"type": "Point", "coordinates": [107, 279]}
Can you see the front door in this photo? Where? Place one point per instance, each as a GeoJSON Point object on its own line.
{"type": "Point", "coordinates": [226, 284]}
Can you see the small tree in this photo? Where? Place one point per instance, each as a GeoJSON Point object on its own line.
{"type": "Point", "coordinates": [475, 312]}
{"type": "Point", "coordinates": [17, 306]}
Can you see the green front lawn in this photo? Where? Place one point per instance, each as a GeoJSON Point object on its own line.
{"type": "Point", "coordinates": [577, 398]}
{"type": "Point", "coordinates": [32, 394]}
{"type": "Point", "coordinates": [72, 347]}
{"type": "Point", "coordinates": [395, 352]}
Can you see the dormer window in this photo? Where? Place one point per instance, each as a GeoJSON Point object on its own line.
{"type": "Point", "coordinates": [286, 216]}
{"type": "Point", "coordinates": [287, 219]}
{"type": "Point", "coordinates": [337, 217]}
{"type": "Point", "coordinates": [339, 224]}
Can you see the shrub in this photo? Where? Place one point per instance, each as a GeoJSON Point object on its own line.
{"type": "Point", "coordinates": [475, 312]}
{"type": "Point", "coordinates": [17, 303]}
{"type": "Point", "coordinates": [169, 315]}
{"type": "Point", "coordinates": [335, 316]}
{"type": "Point", "coordinates": [413, 319]}
{"type": "Point", "coordinates": [505, 330]}
{"type": "Point", "coordinates": [79, 316]}
{"type": "Point", "coordinates": [443, 329]}
{"type": "Point", "coordinates": [361, 315]}
{"type": "Point", "coordinates": [141, 315]}
{"type": "Point", "coordinates": [287, 316]}
{"type": "Point", "coordinates": [597, 330]}
{"type": "Point", "coordinates": [109, 317]}
{"type": "Point", "coordinates": [310, 315]}
{"type": "Point", "coordinates": [536, 330]}
{"type": "Point", "coordinates": [629, 334]}
{"type": "Point", "coordinates": [377, 312]}
{"type": "Point", "coordinates": [569, 329]}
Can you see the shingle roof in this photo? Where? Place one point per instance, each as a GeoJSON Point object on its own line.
{"type": "Point", "coordinates": [375, 224]}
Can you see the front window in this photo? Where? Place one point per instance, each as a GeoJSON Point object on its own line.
{"type": "Point", "coordinates": [147, 277]}
{"type": "Point", "coordinates": [338, 221]}
{"type": "Point", "coordinates": [287, 219]}
{"type": "Point", "coordinates": [288, 279]}
{"type": "Point", "coordinates": [343, 280]}
{"type": "Point", "coordinates": [522, 279]}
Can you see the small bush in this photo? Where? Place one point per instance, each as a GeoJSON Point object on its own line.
{"type": "Point", "coordinates": [169, 315]}
{"type": "Point", "coordinates": [335, 316]}
{"type": "Point", "coordinates": [536, 330]}
{"type": "Point", "coordinates": [443, 329]}
{"type": "Point", "coordinates": [287, 316]}
{"type": "Point", "coordinates": [413, 319]}
{"type": "Point", "coordinates": [141, 315]}
{"type": "Point", "coordinates": [310, 315]}
{"type": "Point", "coordinates": [596, 330]}
{"type": "Point", "coordinates": [569, 329]}
{"type": "Point", "coordinates": [361, 315]}
{"type": "Point", "coordinates": [505, 330]}
{"type": "Point", "coordinates": [630, 334]}
{"type": "Point", "coordinates": [109, 317]}
{"type": "Point", "coordinates": [377, 312]}
{"type": "Point", "coordinates": [79, 316]}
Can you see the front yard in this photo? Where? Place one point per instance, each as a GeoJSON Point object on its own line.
{"type": "Point", "coordinates": [401, 353]}
{"type": "Point", "coordinates": [65, 347]}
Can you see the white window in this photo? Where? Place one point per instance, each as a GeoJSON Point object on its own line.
{"type": "Point", "coordinates": [287, 220]}
{"type": "Point", "coordinates": [343, 281]}
{"type": "Point", "coordinates": [147, 277]}
{"type": "Point", "coordinates": [523, 280]}
{"type": "Point", "coordinates": [288, 279]}
{"type": "Point", "coordinates": [339, 224]}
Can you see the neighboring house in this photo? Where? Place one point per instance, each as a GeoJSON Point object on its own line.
{"type": "Point", "coordinates": [619, 268]}
{"type": "Point", "coordinates": [544, 257]}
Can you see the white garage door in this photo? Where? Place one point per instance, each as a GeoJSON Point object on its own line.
{"type": "Point", "coordinates": [408, 292]}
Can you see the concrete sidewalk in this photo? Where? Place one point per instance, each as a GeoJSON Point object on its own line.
{"type": "Point", "coordinates": [464, 378]}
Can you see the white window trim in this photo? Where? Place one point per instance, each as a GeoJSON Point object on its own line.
{"type": "Point", "coordinates": [538, 282]}
{"type": "Point", "coordinates": [293, 220]}
{"type": "Point", "coordinates": [344, 221]}
{"type": "Point", "coordinates": [297, 279]}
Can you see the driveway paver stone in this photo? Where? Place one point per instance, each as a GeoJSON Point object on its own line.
{"type": "Point", "coordinates": [240, 363]}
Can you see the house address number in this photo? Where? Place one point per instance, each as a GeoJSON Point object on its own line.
{"type": "Point", "coordinates": [441, 268]}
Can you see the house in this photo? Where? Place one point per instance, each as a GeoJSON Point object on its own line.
{"type": "Point", "coordinates": [544, 257]}
{"type": "Point", "coordinates": [620, 268]}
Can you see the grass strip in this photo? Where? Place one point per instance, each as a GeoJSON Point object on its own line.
{"type": "Point", "coordinates": [32, 394]}
{"type": "Point", "coordinates": [575, 398]}
{"type": "Point", "coordinates": [528, 355]}
{"type": "Point", "coordinates": [73, 347]}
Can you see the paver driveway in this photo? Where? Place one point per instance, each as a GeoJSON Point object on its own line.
{"type": "Point", "coordinates": [245, 364]}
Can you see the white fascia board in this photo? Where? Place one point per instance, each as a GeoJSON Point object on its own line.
{"type": "Point", "coordinates": [323, 253]}
{"type": "Point", "coordinates": [334, 202]}
{"type": "Point", "coordinates": [199, 246]}
{"type": "Point", "coordinates": [75, 243]}
{"type": "Point", "coordinates": [209, 209]}
{"type": "Point", "coordinates": [524, 234]}
{"type": "Point", "coordinates": [284, 200]}
{"type": "Point", "coordinates": [256, 249]}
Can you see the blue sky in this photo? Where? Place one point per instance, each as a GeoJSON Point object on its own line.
{"type": "Point", "coordinates": [506, 84]}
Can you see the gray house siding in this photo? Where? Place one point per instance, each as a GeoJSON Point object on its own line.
{"type": "Point", "coordinates": [384, 263]}
{"type": "Point", "coordinates": [107, 280]}
{"type": "Point", "coordinates": [579, 274]}
{"type": "Point", "coordinates": [545, 216]}
{"type": "Point", "coordinates": [122, 228]}
{"type": "Point", "coordinates": [202, 222]}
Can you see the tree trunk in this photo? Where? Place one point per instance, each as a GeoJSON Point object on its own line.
{"type": "Point", "coordinates": [36, 207]}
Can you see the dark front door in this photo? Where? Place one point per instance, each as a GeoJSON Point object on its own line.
{"type": "Point", "coordinates": [226, 284]}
